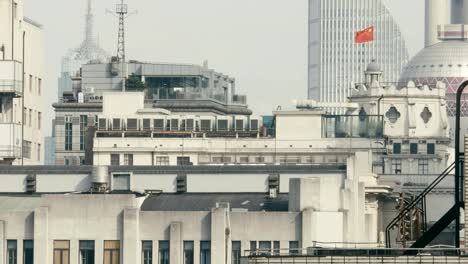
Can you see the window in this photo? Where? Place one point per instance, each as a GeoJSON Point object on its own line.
{"type": "Point", "coordinates": [146, 124]}
{"type": "Point", "coordinates": [222, 125]}
{"type": "Point", "coordinates": [254, 125]}
{"type": "Point", "coordinates": [87, 252]}
{"type": "Point", "coordinates": [116, 124]}
{"type": "Point", "coordinates": [239, 125]}
{"type": "Point", "coordinates": [205, 252]}
{"type": "Point", "coordinates": [39, 152]}
{"type": "Point", "coordinates": [28, 251]}
{"type": "Point", "coordinates": [264, 248]}
{"type": "Point", "coordinates": [189, 125]}
{"type": "Point", "coordinates": [431, 148]}
{"type": "Point", "coordinates": [102, 124]}
{"type": "Point", "coordinates": [293, 247]}
{"type": "Point", "coordinates": [121, 182]}
{"type": "Point", "coordinates": [27, 149]}
{"type": "Point", "coordinates": [244, 159]}
{"type": "Point", "coordinates": [174, 124]}
{"type": "Point", "coordinates": [396, 148]}
{"type": "Point", "coordinates": [112, 252]}
{"type": "Point", "coordinates": [15, 10]}
{"type": "Point", "coordinates": [183, 161]}
{"type": "Point", "coordinates": [396, 166]}
{"type": "Point", "coordinates": [39, 86]}
{"type": "Point", "coordinates": [276, 248]}
{"type": "Point", "coordinates": [221, 160]}
{"type": "Point", "coordinates": [128, 159]}
{"type": "Point", "coordinates": [147, 252]}
{"type": "Point", "coordinates": [115, 159]}
{"type": "Point", "coordinates": [259, 159]}
{"type": "Point", "coordinates": [188, 252]}
{"type": "Point", "coordinates": [205, 125]}
{"type": "Point", "coordinates": [30, 83]}
{"type": "Point", "coordinates": [68, 133]}
{"type": "Point", "coordinates": [423, 166]}
{"type": "Point", "coordinates": [12, 252]}
{"type": "Point", "coordinates": [25, 115]}
{"type": "Point", "coordinates": [39, 120]}
{"type": "Point", "coordinates": [164, 252]}
{"type": "Point", "coordinates": [236, 252]}
{"type": "Point", "coordinates": [61, 252]}
{"type": "Point", "coordinates": [83, 126]}
{"type": "Point", "coordinates": [30, 118]}
{"type": "Point", "coordinates": [159, 124]}
{"type": "Point", "coordinates": [414, 148]}
{"type": "Point", "coordinates": [162, 161]}
{"type": "Point", "coordinates": [132, 124]}
{"type": "Point", "coordinates": [253, 247]}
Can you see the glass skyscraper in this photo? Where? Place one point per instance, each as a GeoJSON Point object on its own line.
{"type": "Point", "coordinates": [336, 63]}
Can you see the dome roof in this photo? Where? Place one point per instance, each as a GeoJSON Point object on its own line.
{"type": "Point", "coordinates": [448, 58]}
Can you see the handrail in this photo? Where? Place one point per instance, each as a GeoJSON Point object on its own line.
{"type": "Point", "coordinates": [418, 199]}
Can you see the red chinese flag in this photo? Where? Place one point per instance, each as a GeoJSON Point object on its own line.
{"type": "Point", "coordinates": [365, 35]}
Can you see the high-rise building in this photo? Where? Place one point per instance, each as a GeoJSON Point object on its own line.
{"type": "Point", "coordinates": [335, 61]}
{"type": "Point", "coordinates": [21, 87]}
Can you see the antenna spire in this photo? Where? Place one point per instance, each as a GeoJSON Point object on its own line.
{"type": "Point", "coordinates": [121, 11]}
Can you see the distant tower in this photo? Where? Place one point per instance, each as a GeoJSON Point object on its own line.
{"type": "Point", "coordinates": [87, 51]}
{"type": "Point", "coordinates": [121, 11]}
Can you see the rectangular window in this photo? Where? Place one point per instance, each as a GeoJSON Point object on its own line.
{"type": "Point", "coordinates": [128, 159]}
{"type": "Point", "coordinates": [28, 252]}
{"type": "Point", "coordinates": [25, 115]}
{"type": "Point", "coordinates": [183, 161]}
{"type": "Point", "coordinates": [162, 161]}
{"type": "Point", "coordinates": [39, 152]}
{"type": "Point", "coordinates": [239, 125]}
{"type": "Point", "coordinates": [205, 125]}
{"type": "Point", "coordinates": [83, 126]}
{"type": "Point", "coordinates": [12, 252]}
{"type": "Point", "coordinates": [264, 248]}
{"type": "Point", "coordinates": [112, 252]}
{"type": "Point", "coordinates": [86, 252]}
{"type": "Point", "coordinates": [254, 125]}
{"type": "Point", "coordinates": [414, 148]}
{"type": "Point", "coordinates": [30, 118]}
{"type": "Point", "coordinates": [27, 149]}
{"type": "Point", "coordinates": [164, 252]}
{"type": "Point", "coordinates": [396, 148]}
{"type": "Point", "coordinates": [222, 125]}
{"type": "Point", "coordinates": [174, 124]}
{"type": "Point", "coordinates": [68, 133]}
{"type": "Point", "coordinates": [276, 248]}
{"type": "Point", "coordinates": [293, 247]}
{"type": "Point", "coordinates": [116, 124]}
{"type": "Point", "coordinates": [423, 166]}
{"type": "Point", "coordinates": [188, 252]}
{"type": "Point", "coordinates": [102, 124]}
{"type": "Point", "coordinates": [158, 124]}
{"type": "Point", "coordinates": [236, 252]}
{"type": "Point", "coordinates": [147, 252]}
{"type": "Point", "coordinates": [189, 125]}
{"type": "Point", "coordinates": [115, 159]}
{"type": "Point", "coordinates": [39, 120]}
{"type": "Point", "coordinates": [39, 86]}
{"type": "Point", "coordinates": [205, 252]}
{"type": "Point", "coordinates": [253, 247]}
{"type": "Point", "coordinates": [61, 252]}
{"type": "Point", "coordinates": [146, 124]}
{"type": "Point", "coordinates": [121, 182]}
{"type": "Point", "coordinates": [15, 10]}
{"type": "Point", "coordinates": [132, 124]}
{"type": "Point", "coordinates": [243, 160]}
{"type": "Point", "coordinates": [30, 83]}
{"type": "Point", "coordinates": [396, 166]}
{"type": "Point", "coordinates": [431, 148]}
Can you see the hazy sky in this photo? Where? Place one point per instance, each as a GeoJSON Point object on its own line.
{"type": "Point", "coordinates": [262, 43]}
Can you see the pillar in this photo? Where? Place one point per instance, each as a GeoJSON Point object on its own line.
{"type": "Point", "coordinates": [219, 233]}
{"type": "Point", "coordinates": [131, 241]}
{"type": "Point", "coordinates": [175, 245]}
{"type": "Point", "coordinates": [41, 235]}
{"type": "Point", "coordinates": [2, 243]}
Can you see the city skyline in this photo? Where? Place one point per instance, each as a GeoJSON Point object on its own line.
{"type": "Point", "coordinates": [283, 27]}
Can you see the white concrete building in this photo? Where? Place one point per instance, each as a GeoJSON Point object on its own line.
{"type": "Point", "coordinates": [132, 135]}
{"type": "Point", "coordinates": [201, 214]}
{"type": "Point", "coordinates": [21, 86]}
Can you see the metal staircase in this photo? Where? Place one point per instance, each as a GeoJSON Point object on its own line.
{"type": "Point", "coordinates": [419, 203]}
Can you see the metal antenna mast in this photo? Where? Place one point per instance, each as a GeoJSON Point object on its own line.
{"type": "Point", "coordinates": [121, 11]}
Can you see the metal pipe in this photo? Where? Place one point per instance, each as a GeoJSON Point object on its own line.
{"type": "Point", "coordinates": [12, 29]}
{"type": "Point", "coordinates": [458, 176]}
{"type": "Point", "coordinates": [22, 100]}
{"type": "Point", "coordinates": [378, 104]}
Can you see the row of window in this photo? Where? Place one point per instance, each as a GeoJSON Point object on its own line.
{"type": "Point", "coordinates": [423, 166]}
{"type": "Point", "coordinates": [28, 150]}
{"type": "Point", "coordinates": [69, 132]}
{"type": "Point", "coordinates": [414, 148]}
{"type": "Point", "coordinates": [111, 252]}
{"type": "Point", "coordinates": [31, 116]}
{"type": "Point", "coordinates": [35, 84]}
